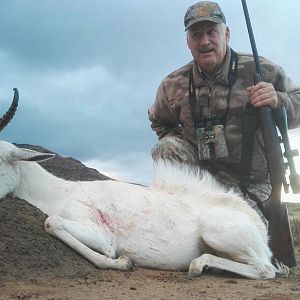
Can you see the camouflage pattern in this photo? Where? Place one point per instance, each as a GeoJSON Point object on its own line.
{"type": "Point", "coordinates": [171, 113]}
{"type": "Point", "coordinates": [203, 11]}
{"type": "Point", "coordinates": [175, 149]}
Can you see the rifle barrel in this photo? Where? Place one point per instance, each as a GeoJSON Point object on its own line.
{"type": "Point", "coordinates": [252, 40]}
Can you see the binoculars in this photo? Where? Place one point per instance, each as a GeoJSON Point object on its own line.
{"type": "Point", "coordinates": [211, 142]}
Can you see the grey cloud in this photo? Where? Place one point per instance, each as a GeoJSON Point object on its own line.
{"type": "Point", "coordinates": [53, 34]}
{"type": "Point", "coordinates": [83, 113]}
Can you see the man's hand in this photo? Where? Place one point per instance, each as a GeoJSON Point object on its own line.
{"type": "Point", "coordinates": [263, 94]}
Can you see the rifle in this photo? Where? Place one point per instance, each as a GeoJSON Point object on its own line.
{"type": "Point", "coordinates": [281, 240]}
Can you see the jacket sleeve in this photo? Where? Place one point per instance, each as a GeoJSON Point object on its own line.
{"type": "Point", "coordinates": [289, 96]}
{"type": "Point", "coordinates": [164, 119]}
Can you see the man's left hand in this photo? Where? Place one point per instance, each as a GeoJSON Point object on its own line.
{"type": "Point", "coordinates": [262, 94]}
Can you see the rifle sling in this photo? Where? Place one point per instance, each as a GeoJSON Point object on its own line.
{"type": "Point", "coordinates": [248, 137]}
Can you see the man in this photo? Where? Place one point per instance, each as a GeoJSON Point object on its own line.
{"type": "Point", "coordinates": [199, 109]}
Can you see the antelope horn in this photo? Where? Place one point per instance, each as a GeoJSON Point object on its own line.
{"type": "Point", "coordinates": [11, 111]}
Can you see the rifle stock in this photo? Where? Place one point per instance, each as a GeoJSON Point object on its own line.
{"type": "Point", "coordinates": [281, 240]}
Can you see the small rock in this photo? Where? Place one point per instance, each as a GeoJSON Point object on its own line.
{"type": "Point", "coordinates": [231, 281]}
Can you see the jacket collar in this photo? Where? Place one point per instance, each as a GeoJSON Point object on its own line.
{"type": "Point", "coordinates": [221, 77]}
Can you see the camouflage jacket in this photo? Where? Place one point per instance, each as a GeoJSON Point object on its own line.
{"type": "Point", "coordinates": [171, 113]}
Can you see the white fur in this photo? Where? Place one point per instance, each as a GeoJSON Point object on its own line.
{"type": "Point", "coordinates": [185, 219]}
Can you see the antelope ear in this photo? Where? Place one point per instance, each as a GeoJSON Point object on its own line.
{"type": "Point", "coordinates": [41, 157]}
{"type": "Point", "coordinates": [31, 155]}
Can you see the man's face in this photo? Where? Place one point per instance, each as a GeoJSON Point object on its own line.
{"type": "Point", "coordinates": [208, 43]}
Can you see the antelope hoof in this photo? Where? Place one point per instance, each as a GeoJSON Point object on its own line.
{"type": "Point", "coordinates": [125, 263]}
{"type": "Point", "coordinates": [194, 269]}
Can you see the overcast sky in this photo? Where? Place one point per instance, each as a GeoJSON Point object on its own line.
{"type": "Point", "coordinates": [88, 70]}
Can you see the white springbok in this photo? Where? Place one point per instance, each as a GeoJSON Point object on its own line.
{"type": "Point", "coordinates": [184, 220]}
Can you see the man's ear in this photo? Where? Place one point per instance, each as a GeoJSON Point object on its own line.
{"type": "Point", "coordinates": [187, 40]}
{"type": "Point", "coordinates": [227, 34]}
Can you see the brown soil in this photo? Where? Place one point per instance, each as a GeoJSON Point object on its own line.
{"type": "Point", "coordinates": [34, 265]}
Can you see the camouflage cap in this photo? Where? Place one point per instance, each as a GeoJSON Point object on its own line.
{"type": "Point", "coordinates": [203, 11]}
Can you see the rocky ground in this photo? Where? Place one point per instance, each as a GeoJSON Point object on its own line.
{"type": "Point", "coordinates": [34, 265]}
